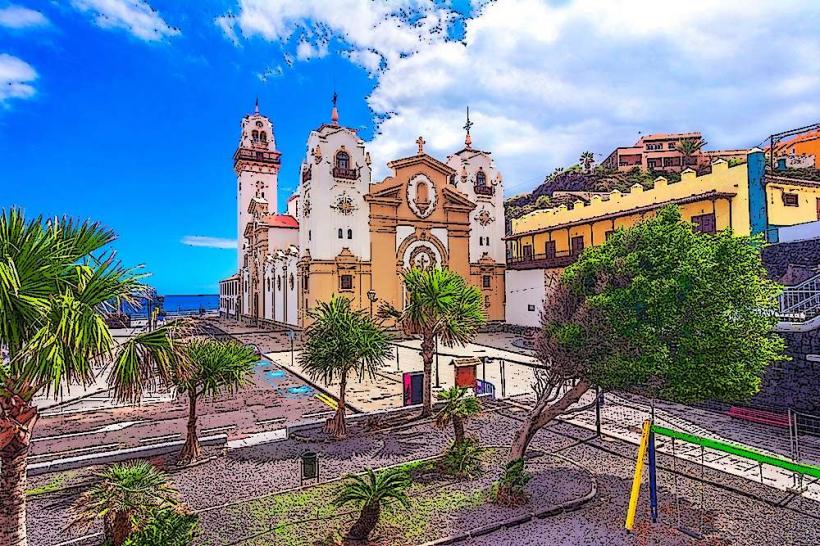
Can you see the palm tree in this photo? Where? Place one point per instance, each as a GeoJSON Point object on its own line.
{"type": "Point", "coordinates": [217, 367]}
{"type": "Point", "coordinates": [371, 491]}
{"type": "Point", "coordinates": [56, 283]}
{"type": "Point", "coordinates": [457, 408]}
{"type": "Point", "coordinates": [440, 305]}
{"type": "Point", "coordinates": [126, 498]}
{"type": "Point", "coordinates": [339, 341]}
{"type": "Point", "coordinates": [689, 147]}
{"type": "Point", "coordinates": [586, 160]}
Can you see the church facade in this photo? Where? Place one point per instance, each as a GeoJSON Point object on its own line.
{"type": "Point", "coordinates": [349, 235]}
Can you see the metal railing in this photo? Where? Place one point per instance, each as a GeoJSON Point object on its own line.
{"type": "Point", "coordinates": [484, 189]}
{"type": "Point", "coordinates": [348, 174]}
{"type": "Point", "coordinates": [256, 155]}
{"type": "Point", "coordinates": [801, 302]}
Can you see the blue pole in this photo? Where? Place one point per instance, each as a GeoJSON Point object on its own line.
{"type": "Point", "coordinates": [653, 486]}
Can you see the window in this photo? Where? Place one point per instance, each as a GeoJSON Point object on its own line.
{"type": "Point", "coordinates": [305, 285]}
{"type": "Point", "coordinates": [486, 281]}
{"type": "Point", "coordinates": [671, 146]}
{"type": "Point", "coordinates": [263, 136]}
{"type": "Point", "coordinates": [309, 235]}
{"type": "Point", "coordinates": [279, 282]}
{"type": "Point", "coordinates": [291, 281]}
{"type": "Point", "coordinates": [577, 245]}
{"type": "Point", "coordinates": [349, 233]}
{"type": "Point", "coordinates": [790, 200]}
{"type": "Point", "coordinates": [342, 160]}
{"type": "Point", "coordinates": [705, 223]}
{"type": "Point", "coordinates": [255, 135]}
{"type": "Point", "coordinates": [609, 234]}
{"type": "Point", "coordinates": [346, 282]}
{"type": "Point", "coordinates": [671, 161]}
{"type": "Point", "coordinates": [341, 234]}
{"type": "Point", "coordinates": [527, 252]}
{"type": "Point", "coordinates": [658, 146]}
{"type": "Point", "coordinates": [530, 307]}
{"type": "Point", "coordinates": [651, 163]}
{"type": "Point", "coordinates": [480, 179]}
{"type": "Point", "coordinates": [549, 249]}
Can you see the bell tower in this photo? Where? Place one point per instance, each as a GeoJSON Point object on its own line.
{"type": "Point", "coordinates": [256, 164]}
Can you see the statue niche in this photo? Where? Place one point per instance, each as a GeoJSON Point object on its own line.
{"type": "Point", "coordinates": [421, 195]}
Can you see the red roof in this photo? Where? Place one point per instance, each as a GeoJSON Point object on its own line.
{"type": "Point", "coordinates": [281, 220]}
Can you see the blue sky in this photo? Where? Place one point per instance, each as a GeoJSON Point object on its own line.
{"type": "Point", "coordinates": [128, 113]}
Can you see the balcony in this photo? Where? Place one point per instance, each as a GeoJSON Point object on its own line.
{"type": "Point", "coordinates": [261, 156]}
{"type": "Point", "coordinates": [484, 190]}
{"type": "Point", "coordinates": [345, 173]}
{"type": "Point", "coordinates": [562, 258]}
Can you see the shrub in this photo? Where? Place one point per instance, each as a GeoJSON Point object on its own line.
{"type": "Point", "coordinates": [463, 459]}
{"type": "Point", "coordinates": [509, 490]}
{"type": "Point", "coordinates": [167, 528]}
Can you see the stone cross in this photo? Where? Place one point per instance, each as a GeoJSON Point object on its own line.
{"type": "Point", "coordinates": [421, 142]}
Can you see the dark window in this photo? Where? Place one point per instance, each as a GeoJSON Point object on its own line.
{"type": "Point", "coordinates": [342, 160]}
{"type": "Point", "coordinates": [791, 200]}
{"type": "Point", "coordinates": [549, 249]}
{"type": "Point", "coordinates": [577, 244]}
{"type": "Point", "coordinates": [527, 252]}
{"type": "Point", "coordinates": [291, 281]}
{"type": "Point", "coordinates": [609, 234]}
{"type": "Point", "coordinates": [341, 234]}
{"type": "Point", "coordinates": [480, 179]}
{"type": "Point", "coordinates": [349, 233]}
{"type": "Point", "coordinates": [309, 235]}
{"type": "Point", "coordinates": [651, 163]}
{"type": "Point", "coordinates": [530, 307]}
{"type": "Point", "coordinates": [279, 282]}
{"type": "Point", "coordinates": [263, 136]}
{"type": "Point", "coordinates": [705, 223]}
{"type": "Point", "coordinates": [346, 282]}
{"type": "Point", "coordinates": [255, 135]}
{"type": "Point", "coordinates": [486, 281]}
{"type": "Point", "coordinates": [305, 280]}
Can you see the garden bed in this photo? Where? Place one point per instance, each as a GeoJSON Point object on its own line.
{"type": "Point", "coordinates": [440, 506]}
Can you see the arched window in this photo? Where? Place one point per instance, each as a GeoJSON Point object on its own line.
{"type": "Point", "coordinates": [291, 281]}
{"type": "Point", "coordinates": [341, 234]}
{"type": "Point", "coordinates": [263, 136]}
{"type": "Point", "coordinates": [342, 160]}
{"type": "Point", "coordinates": [279, 282]}
{"type": "Point", "coordinates": [480, 178]}
{"type": "Point", "coordinates": [349, 233]}
{"type": "Point", "coordinates": [255, 135]}
{"type": "Point", "coordinates": [422, 193]}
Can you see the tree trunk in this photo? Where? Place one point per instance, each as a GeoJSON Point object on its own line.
{"type": "Point", "coordinates": [118, 528]}
{"type": "Point", "coordinates": [337, 427]}
{"type": "Point", "coordinates": [191, 451]}
{"type": "Point", "coordinates": [543, 414]}
{"type": "Point", "coordinates": [458, 429]}
{"type": "Point", "coordinates": [427, 344]}
{"type": "Point", "coordinates": [13, 459]}
{"type": "Point", "coordinates": [368, 519]}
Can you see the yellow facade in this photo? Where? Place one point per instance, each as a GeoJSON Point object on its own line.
{"type": "Point", "coordinates": [724, 198]}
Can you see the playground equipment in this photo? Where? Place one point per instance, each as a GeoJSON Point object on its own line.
{"type": "Point", "coordinates": [647, 447]}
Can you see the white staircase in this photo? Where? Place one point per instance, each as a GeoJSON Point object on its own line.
{"type": "Point", "coordinates": [801, 302]}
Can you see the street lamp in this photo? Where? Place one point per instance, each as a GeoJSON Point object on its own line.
{"type": "Point", "coordinates": [371, 295]}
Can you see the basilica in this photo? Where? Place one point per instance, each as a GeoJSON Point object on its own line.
{"type": "Point", "coordinates": [347, 234]}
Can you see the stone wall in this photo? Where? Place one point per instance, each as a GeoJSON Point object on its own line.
{"type": "Point", "coordinates": [794, 383]}
{"type": "Point", "coordinates": [800, 254]}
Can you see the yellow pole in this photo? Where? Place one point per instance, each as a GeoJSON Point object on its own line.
{"type": "Point", "coordinates": [636, 480]}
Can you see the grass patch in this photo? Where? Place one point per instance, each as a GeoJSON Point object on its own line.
{"type": "Point", "coordinates": [55, 484]}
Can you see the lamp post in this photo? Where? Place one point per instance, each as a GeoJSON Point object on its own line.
{"type": "Point", "coordinates": [371, 295]}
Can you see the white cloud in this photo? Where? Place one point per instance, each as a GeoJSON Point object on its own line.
{"type": "Point", "coordinates": [14, 16]}
{"type": "Point", "coordinates": [208, 242]}
{"type": "Point", "coordinates": [135, 16]}
{"type": "Point", "coordinates": [16, 77]}
{"type": "Point", "coordinates": [547, 80]}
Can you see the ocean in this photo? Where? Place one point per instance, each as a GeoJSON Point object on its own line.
{"type": "Point", "coordinates": [178, 304]}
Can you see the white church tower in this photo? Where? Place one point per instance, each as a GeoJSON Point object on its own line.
{"type": "Point", "coordinates": [335, 177]}
{"type": "Point", "coordinates": [256, 164]}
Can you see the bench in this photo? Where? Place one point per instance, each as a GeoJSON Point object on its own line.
{"type": "Point", "coordinates": [759, 416]}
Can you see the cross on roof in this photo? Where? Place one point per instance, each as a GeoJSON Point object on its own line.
{"type": "Point", "coordinates": [420, 141]}
{"type": "Point", "coordinates": [469, 123]}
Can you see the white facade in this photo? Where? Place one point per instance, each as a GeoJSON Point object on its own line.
{"type": "Point", "coordinates": [256, 164]}
{"type": "Point", "coordinates": [526, 291]}
{"type": "Point", "coordinates": [332, 211]}
{"type": "Point", "coordinates": [481, 182]}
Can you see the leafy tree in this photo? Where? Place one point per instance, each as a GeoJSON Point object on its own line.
{"type": "Point", "coordinates": [658, 304]}
{"type": "Point", "coordinates": [371, 492]}
{"type": "Point", "coordinates": [440, 304]}
{"type": "Point", "coordinates": [57, 282]}
{"type": "Point", "coordinates": [167, 527]}
{"type": "Point", "coordinates": [340, 341]}
{"type": "Point", "coordinates": [586, 161]}
{"type": "Point", "coordinates": [126, 499]}
{"type": "Point", "coordinates": [458, 406]}
{"type": "Point", "coordinates": [216, 367]}
{"type": "Point", "coordinates": [688, 147]}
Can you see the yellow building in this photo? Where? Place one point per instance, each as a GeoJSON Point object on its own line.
{"type": "Point", "coordinates": [544, 242]}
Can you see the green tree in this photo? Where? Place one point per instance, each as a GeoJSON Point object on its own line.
{"type": "Point", "coordinates": [57, 281]}
{"type": "Point", "coordinates": [658, 304]}
{"type": "Point", "coordinates": [216, 367]}
{"type": "Point", "coordinates": [440, 305]}
{"type": "Point", "coordinates": [688, 147]}
{"type": "Point", "coordinates": [371, 491]}
{"type": "Point", "coordinates": [586, 160]}
{"type": "Point", "coordinates": [126, 498]}
{"type": "Point", "coordinates": [458, 406]}
{"type": "Point", "coordinates": [340, 341]}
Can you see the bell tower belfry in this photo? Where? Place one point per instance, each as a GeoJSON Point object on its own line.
{"type": "Point", "coordinates": [256, 164]}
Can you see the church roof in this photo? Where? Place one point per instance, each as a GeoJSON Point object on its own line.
{"type": "Point", "coordinates": [281, 220]}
